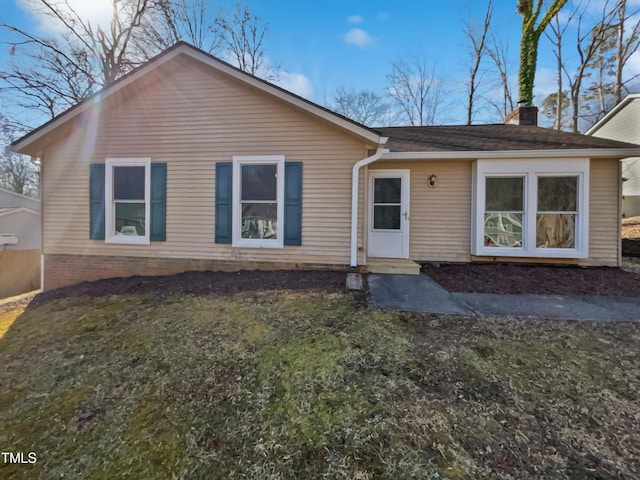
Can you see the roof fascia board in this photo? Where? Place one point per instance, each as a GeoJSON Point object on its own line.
{"type": "Point", "coordinates": [612, 113]}
{"type": "Point", "coordinates": [497, 154]}
{"type": "Point", "coordinates": [208, 60]}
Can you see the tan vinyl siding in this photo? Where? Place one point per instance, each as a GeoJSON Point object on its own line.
{"type": "Point", "coordinates": [440, 226]}
{"type": "Point", "coordinates": [625, 127]}
{"type": "Point", "coordinates": [440, 217]}
{"type": "Point", "coordinates": [191, 116]}
{"type": "Point", "coordinates": [604, 220]}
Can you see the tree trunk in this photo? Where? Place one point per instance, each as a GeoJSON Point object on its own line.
{"type": "Point", "coordinates": [617, 91]}
{"type": "Point", "coordinates": [528, 61]}
{"type": "Point", "coordinates": [558, 123]}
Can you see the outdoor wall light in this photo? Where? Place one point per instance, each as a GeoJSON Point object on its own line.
{"type": "Point", "coordinates": [433, 180]}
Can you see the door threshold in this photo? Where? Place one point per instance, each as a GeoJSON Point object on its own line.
{"type": "Point", "coordinates": [392, 265]}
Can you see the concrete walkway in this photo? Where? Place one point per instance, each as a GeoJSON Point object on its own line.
{"type": "Point", "coordinates": [418, 293]}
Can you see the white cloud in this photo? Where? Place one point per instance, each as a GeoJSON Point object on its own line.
{"type": "Point", "coordinates": [383, 16]}
{"type": "Point", "coordinates": [359, 38]}
{"type": "Point", "coordinates": [97, 12]}
{"type": "Point", "coordinates": [355, 19]}
{"type": "Point", "coordinates": [297, 83]}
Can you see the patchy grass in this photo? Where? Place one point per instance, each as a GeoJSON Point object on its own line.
{"type": "Point", "coordinates": [312, 384]}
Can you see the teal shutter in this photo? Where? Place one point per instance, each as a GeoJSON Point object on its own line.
{"type": "Point", "coordinates": [158, 232]}
{"type": "Point", "coordinates": [224, 179]}
{"type": "Point", "coordinates": [96, 201]}
{"type": "Point", "coordinates": [293, 203]}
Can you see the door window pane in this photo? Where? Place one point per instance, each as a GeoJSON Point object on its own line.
{"type": "Point", "coordinates": [386, 217]}
{"type": "Point", "coordinates": [387, 190]}
{"type": "Point", "coordinates": [504, 194]}
{"type": "Point", "coordinates": [128, 183]}
{"type": "Point", "coordinates": [259, 182]}
{"type": "Point", "coordinates": [259, 220]}
{"type": "Point", "coordinates": [557, 194]}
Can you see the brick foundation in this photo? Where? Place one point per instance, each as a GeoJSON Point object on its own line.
{"type": "Point", "coordinates": [63, 270]}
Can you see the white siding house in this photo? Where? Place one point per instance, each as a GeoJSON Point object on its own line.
{"type": "Point", "coordinates": [623, 124]}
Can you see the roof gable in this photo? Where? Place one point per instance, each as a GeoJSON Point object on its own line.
{"type": "Point", "coordinates": [28, 143]}
{"type": "Point", "coordinates": [614, 112]}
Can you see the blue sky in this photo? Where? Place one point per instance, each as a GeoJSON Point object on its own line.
{"type": "Point", "coordinates": [321, 46]}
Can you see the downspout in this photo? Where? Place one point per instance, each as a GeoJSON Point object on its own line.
{"type": "Point", "coordinates": [355, 174]}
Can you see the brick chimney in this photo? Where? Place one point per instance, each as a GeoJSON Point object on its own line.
{"type": "Point", "coordinates": [523, 116]}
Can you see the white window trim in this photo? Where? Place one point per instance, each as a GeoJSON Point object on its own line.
{"type": "Point", "coordinates": [531, 170]}
{"type": "Point", "coordinates": [110, 236]}
{"type": "Point", "coordinates": [237, 240]}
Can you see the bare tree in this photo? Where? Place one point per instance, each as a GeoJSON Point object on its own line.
{"type": "Point", "coordinates": [499, 54]}
{"type": "Point", "coordinates": [191, 21]}
{"type": "Point", "coordinates": [478, 39]}
{"type": "Point", "coordinates": [242, 35]}
{"type": "Point", "coordinates": [557, 30]}
{"type": "Point", "coordinates": [416, 91]}
{"type": "Point", "coordinates": [363, 106]}
{"type": "Point", "coordinates": [627, 44]}
{"type": "Point", "coordinates": [17, 172]}
{"type": "Point", "coordinates": [588, 43]}
{"type": "Point", "coordinates": [51, 73]}
{"type": "Point", "coordinates": [556, 108]}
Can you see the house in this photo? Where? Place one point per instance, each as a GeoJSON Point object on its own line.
{"type": "Point", "coordinates": [623, 123]}
{"type": "Point", "coordinates": [20, 216]}
{"type": "Point", "coordinates": [19, 262]}
{"type": "Point", "coordinates": [188, 163]}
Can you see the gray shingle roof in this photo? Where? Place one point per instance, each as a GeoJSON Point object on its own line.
{"type": "Point", "coordinates": [489, 138]}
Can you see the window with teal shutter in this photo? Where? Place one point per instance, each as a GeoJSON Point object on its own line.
{"type": "Point", "coordinates": [124, 209]}
{"type": "Point", "coordinates": [293, 203]}
{"type": "Point", "coordinates": [223, 207]}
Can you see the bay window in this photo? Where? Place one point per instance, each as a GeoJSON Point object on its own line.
{"type": "Point", "coordinates": [535, 208]}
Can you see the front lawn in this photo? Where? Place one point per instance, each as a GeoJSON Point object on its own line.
{"type": "Point", "coordinates": [311, 384]}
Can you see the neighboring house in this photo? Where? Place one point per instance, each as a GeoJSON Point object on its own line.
{"type": "Point", "coordinates": [623, 123]}
{"type": "Point", "coordinates": [20, 216]}
{"type": "Point", "coordinates": [19, 263]}
{"type": "Point", "coordinates": [188, 163]}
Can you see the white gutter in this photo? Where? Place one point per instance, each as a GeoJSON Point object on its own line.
{"type": "Point", "coordinates": [355, 174]}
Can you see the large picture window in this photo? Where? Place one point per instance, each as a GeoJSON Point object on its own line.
{"type": "Point", "coordinates": [127, 182]}
{"type": "Point", "coordinates": [258, 201]}
{"type": "Point", "coordinates": [531, 208]}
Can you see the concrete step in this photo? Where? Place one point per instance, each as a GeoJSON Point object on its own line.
{"type": "Point", "coordinates": [392, 265]}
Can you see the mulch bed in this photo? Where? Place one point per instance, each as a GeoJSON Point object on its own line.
{"type": "Point", "coordinates": [201, 283]}
{"type": "Point", "coordinates": [541, 280]}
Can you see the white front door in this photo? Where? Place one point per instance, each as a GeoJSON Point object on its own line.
{"type": "Point", "coordinates": [388, 214]}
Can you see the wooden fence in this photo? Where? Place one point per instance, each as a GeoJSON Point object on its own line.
{"type": "Point", "coordinates": [19, 271]}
